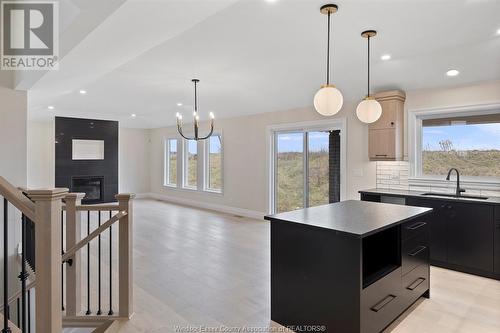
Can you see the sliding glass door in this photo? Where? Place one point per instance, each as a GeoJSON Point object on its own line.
{"type": "Point", "coordinates": [302, 170]}
{"type": "Point", "coordinates": [306, 162]}
{"type": "Point", "coordinates": [289, 163]}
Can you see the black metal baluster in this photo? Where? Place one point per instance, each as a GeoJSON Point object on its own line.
{"type": "Point", "coordinates": [62, 265]}
{"type": "Point", "coordinates": [29, 311]}
{"type": "Point", "coordinates": [18, 312]}
{"type": "Point", "coordinates": [110, 313]}
{"type": "Point", "coordinates": [99, 312]}
{"type": "Point", "coordinates": [6, 328]}
{"type": "Point", "coordinates": [88, 266]}
{"type": "Point", "coordinates": [24, 274]}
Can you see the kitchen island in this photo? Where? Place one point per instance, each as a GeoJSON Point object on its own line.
{"type": "Point", "coordinates": [351, 266]}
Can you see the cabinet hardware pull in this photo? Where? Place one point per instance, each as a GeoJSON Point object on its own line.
{"type": "Point", "coordinates": [377, 307]}
{"type": "Point", "coordinates": [381, 155]}
{"type": "Point", "coordinates": [415, 284]}
{"type": "Point", "coordinates": [416, 225]}
{"type": "Point", "coordinates": [417, 251]}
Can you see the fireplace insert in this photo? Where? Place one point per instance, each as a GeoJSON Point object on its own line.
{"type": "Point", "coordinates": [92, 186]}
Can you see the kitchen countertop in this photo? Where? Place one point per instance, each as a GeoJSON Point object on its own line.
{"type": "Point", "coordinates": [408, 193]}
{"type": "Point", "coordinates": [352, 217]}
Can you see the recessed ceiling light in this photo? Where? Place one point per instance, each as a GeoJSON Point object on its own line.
{"type": "Point", "coordinates": [179, 104]}
{"type": "Point", "coordinates": [133, 115]}
{"type": "Point", "coordinates": [271, 0]}
{"type": "Point", "coordinates": [50, 107]}
{"type": "Point", "coordinates": [452, 72]}
{"type": "Point", "coordinates": [83, 92]}
{"type": "Point", "coordinates": [386, 57]}
{"type": "Point", "coordinates": [498, 32]}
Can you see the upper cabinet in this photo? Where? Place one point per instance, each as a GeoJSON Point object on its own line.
{"type": "Point", "coordinates": [386, 134]}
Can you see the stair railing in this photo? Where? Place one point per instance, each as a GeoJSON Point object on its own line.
{"type": "Point", "coordinates": [42, 208]}
{"type": "Point", "coordinates": [89, 231]}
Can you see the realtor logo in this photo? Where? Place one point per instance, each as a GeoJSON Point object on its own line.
{"type": "Point", "coordinates": [30, 36]}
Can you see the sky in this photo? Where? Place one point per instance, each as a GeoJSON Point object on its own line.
{"type": "Point", "coordinates": [292, 142]}
{"type": "Point", "coordinates": [463, 137]}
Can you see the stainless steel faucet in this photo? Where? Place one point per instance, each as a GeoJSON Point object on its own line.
{"type": "Point", "coordinates": [459, 190]}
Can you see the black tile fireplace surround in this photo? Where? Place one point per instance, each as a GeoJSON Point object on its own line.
{"type": "Point", "coordinates": [97, 178]}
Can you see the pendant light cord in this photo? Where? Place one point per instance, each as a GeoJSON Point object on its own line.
{"type": "Point", "coordinates": [195, 98]}
{"type": "Point", "coordinates": [328, 53]}
{"type": "Point", "coordinates": [368, 87]}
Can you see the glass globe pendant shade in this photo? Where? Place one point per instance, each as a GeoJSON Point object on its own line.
{"type": "Point", "coordinates": [328, 100]}
{"type": "Point", "coordinates": [369, 110]}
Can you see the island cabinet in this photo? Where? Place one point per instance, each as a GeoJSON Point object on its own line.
{"type": "Point", "coordinates": [348, 267]}
{"type": "Point", "coordinates": [497, 241]}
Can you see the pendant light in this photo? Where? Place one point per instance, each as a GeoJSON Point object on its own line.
{"type": "Point", "coordinates": [328, 100]}
{"type": "Point", "coordinates": [196, 119]}
{"type": "Point", "coordinates": [369, 110]}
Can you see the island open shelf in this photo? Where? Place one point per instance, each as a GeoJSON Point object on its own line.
{"type": "Point", "coordinates": [381, 255]}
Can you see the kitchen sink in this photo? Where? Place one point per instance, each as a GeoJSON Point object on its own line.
{"type": "Point", "coordinates": [464, 196]}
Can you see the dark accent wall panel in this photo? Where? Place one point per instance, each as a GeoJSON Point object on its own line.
{"type": "Point", "coordinates": [67, 129]}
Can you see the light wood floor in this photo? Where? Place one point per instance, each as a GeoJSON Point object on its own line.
{"type": "Point", "coordinates": [195, 267]}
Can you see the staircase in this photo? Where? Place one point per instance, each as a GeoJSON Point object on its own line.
{"type": "Point", "coordinates": [83, 261]}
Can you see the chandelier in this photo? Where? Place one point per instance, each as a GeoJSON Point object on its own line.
{"type": "Point", "coordinates": [196, 119]}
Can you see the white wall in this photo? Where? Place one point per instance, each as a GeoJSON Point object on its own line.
{"type": "Point", "coordinates": [245, 158]}
{"type": "Point", "coordinates": [41, 154]}
{"type": "Point", "coordinates": [134, 168]}
{"type": "Point", "coordinates": [133, 153]}
{"type": "Point", "coordinates": [13, 141]}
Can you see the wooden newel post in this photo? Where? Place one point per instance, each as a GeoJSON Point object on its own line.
{"type": "Point", "coordinates": [48, 317]}
{"type": "Point", "coordinates": [73, 236]}
{"type": "Point", "coordinates": [125, 266]}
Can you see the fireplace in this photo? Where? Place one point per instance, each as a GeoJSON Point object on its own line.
{"type": "Point", "coordinates": [92, 186]}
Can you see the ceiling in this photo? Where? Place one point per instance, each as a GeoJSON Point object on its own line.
{"type": "Point", "coordinates": [255, 56]}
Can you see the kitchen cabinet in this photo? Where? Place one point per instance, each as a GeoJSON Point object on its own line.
{"type": "Point", "coordinates": [385, 136]}
{"type": "Point", "coordinates": [464, 235]}
{"type": "Point", "coordinates": [437, 223]}
{"type": "Point", "coordinates": [470, 235]}
{"type": "Point", "coordinates": [496, 256]}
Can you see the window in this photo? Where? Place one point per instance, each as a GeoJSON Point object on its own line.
{"type": "Point", "coordinates": [190, 164]}
{"type": "Point", "coordinates": [213, 165]}
{"type": "Point", "coordinates": [469, 143]}
{"type": "Point", "coordinates": [171, 162]}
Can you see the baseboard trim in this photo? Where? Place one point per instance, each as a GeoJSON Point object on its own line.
{"type": "Point", "coordinates": [204, 205]}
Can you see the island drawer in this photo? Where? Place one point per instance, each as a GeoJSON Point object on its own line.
{"type": "Point", "coordinates": [415, 283]}
{"type": "Point", "coordinates": [381, 302]}
{"type": "Point", "coordinates": [413, 228]}
{"type": "Point", "coordinates": [415, 252]}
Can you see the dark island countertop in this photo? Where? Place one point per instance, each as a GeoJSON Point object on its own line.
{"type": "Point", "coordinates": [352, 217]}
{"type": "Point", "coordinates": [420, 194]}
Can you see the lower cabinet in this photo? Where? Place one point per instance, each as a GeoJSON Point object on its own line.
{"type": "Point", "coordinates": [496, 256]}
{"type": "Point", "coordinates": [463, 236]}
{"type": "Point", "coordinates": [438, 238]}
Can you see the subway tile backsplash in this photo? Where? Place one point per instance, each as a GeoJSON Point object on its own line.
{"type": "Point", "coordinates": [395, 176]}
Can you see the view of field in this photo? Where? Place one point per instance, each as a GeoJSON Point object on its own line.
{"type": "Point", "coordinates": [214, 180]}
{"type": "Point", "coordinates": [484, 163]}
{"type": "Point", "coordinates": [290, 182]}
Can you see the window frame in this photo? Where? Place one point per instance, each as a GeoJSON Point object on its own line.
{"type": "Point", "coordinates": [415, 118]}
{"type": "Point", "coordinates": [166, 163]}
{"type": "Point", "coordinates": [206, 165]}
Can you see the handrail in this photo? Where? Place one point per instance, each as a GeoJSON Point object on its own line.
{"type": "Point", "coordinates": [18, 293]}
{"type": "Point", "coordinates": [70, 252]}
{"type": "Point", "coordinates": [16, 198]}
{"type": "Point", "coordinates": [96, 207]}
